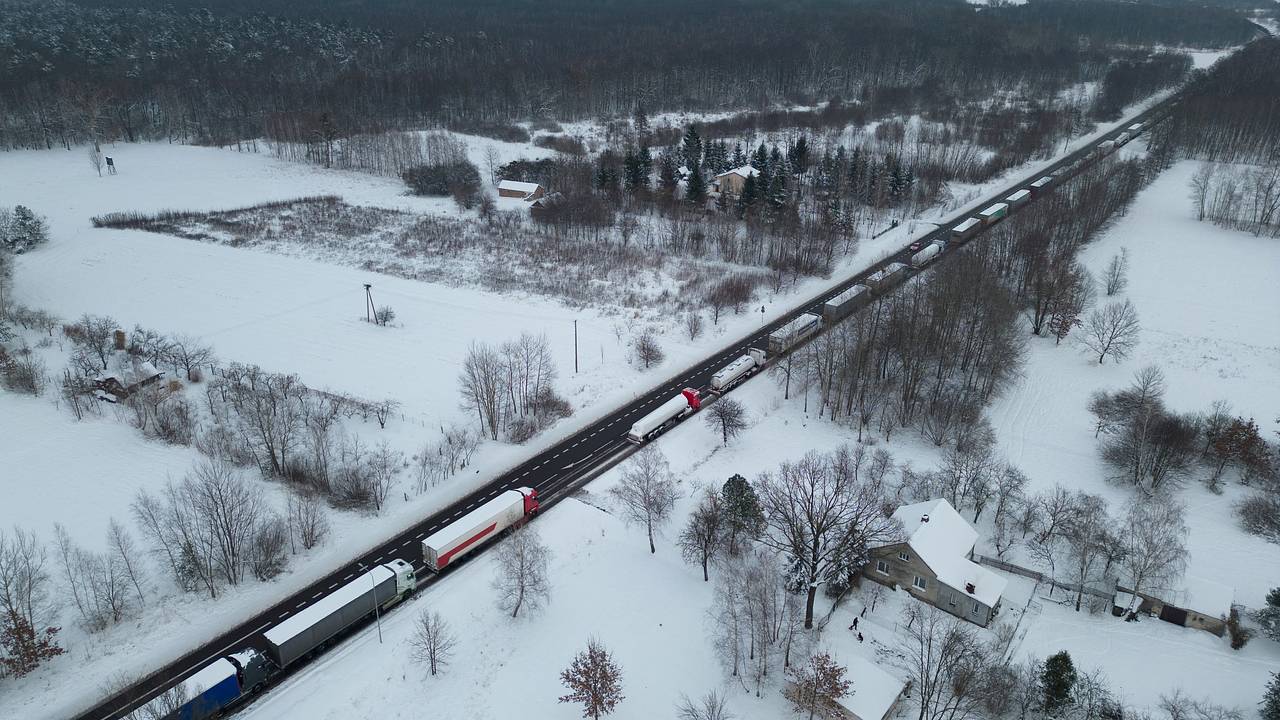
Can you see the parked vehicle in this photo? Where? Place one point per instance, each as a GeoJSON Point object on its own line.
{"type": "Point", "coordinates": [313, 626]}
{"type": "Point", "coordinates": [994, 214]}
{"type": "Point", "coordinates": [1123, 138]}
{"type": "Point", "coordinates": [738, 370]}
{"type": "Point", "coordinates": [966, 229]}
{"type": "Point", "coordinates": [1106, 147]}
{"type": "Point", "coordinates": [786, 337]}
{"type": "Point", "coordinates": [926, 256]}
{"type": "Point", "coordinates": [478, 527]}
{"type": "Point", "coordinates": [214, 688]}
{"type": "Point", "coordinates": [1041, 185]}
{"type": "Point", "coordinates": [1018, 199]}
{"type": "Point", "coordinates": [839, 307]}
{"type": "Point", "coordinates": [886, 276]}
{"type": "Point", "coordinates": [1135, 128]}
{"type": "Point", "coordinates": [666, 414]}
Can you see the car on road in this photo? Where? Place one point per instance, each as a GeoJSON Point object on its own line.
{"type": "Point", "coordinates": [916, 245]}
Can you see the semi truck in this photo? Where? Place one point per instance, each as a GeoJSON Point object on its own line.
{"type": "Point", "coordinates": [1018, 199]}
{"type": "Point", "coordinates": [734, 372]}
{"type": "Point", "coordinates": [1039, 186]}
{"type": "Point", "coordinates": [885, 276]}
{"type": "Point", "coordinates": [927, 254]}
{"type": "Point", "coordinates": [994, 214]}
{"type": "Point", "coordinates": [786, 337]}
{"type": "Point", "coordinates": [477, 527]}
{"type": "Point", "coordinates": [839, 307]}
{"type": "Point", "coordinates": [966, 229]}
{"type": "Point", "coordinates": [313, 626]}
{"type": "Point", "coordinates": [686, 403]}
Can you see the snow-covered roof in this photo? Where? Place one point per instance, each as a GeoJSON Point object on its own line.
{"type": "Point", "coordinates": [130, 370]}
{"type": "Point", "coordinates": [294, 625]}
{"type": "Point", "coordinates": [943, 540]}
{"type": "Point", "coordinates": [1203, 596]}
{"type": "Point", "coordinates": [994, 209]}
{"type": "Point", "coordinates": [968, 223]}
{"type": "Point", "coordinates": [745, 171]}
{"type": "Point", "coordinates": [1042, 181]}
{"type": "Point", "coordinates": [1018, 195]}
{"type": "Point", "coordinates": [874, 690]}
{"type": "Point", "coordinates": [518, 186]}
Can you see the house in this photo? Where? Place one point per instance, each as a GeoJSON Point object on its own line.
{"type": "Point", "coordinates": [935, 563]}
{"type": "Point", "coordinates": [522, 190]}
{"type": "Point", "coordinates": [539, 207]}
{"type": "Point", "coordinates": [1197, 603]}
{"type": "Point", "coordinates": [730, 182]}
{"type": "Point", "coordinates": [129, 374]}
{"type": "Point", "coordinates": [875, 692]}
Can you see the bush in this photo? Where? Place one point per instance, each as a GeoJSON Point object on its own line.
{"type": "Point", "coordinates": [1259, 514]}
{"type": "Point", "coordinates": [1239, 635]}
{"type": "Point", "coordinates": [534, 171]}
{"type": "Point", "coordinates": [24, 373]}
{"type": "Point", "coordinates": [497, 131]}
{"type": "Point", "coordinates": [561, 143]}
{"type": "Point", "coordinates": [443, 180]}
{"type": "Point", "coordinates": [385, 315]}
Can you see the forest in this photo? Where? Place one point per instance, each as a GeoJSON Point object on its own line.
{"type": "Point", "coordinates": [216, 73]}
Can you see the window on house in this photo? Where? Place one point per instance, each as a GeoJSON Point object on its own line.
{"type": "Point", "coordinates": [882, 567]}
{"type": "Point", "coordinates": [904, 557]}
{"type": "Point", "coordinates": [920, 583]}
{"type": "Point", "coordinates": [977, 607]}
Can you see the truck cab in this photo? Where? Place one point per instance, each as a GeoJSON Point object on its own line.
{"type": "Point", "coordinates": [252, 669]}
{"type": "Point", "coordinates": [406, 582]}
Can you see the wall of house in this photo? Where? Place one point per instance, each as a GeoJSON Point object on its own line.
{"type": "Point", "coordinates": [903, 574]}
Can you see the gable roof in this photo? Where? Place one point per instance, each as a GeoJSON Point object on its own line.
{"type": "Point", "coordinates": [744, 171]}
{"type": "Point", "coordinates": [518, 186]}
{"type": "Point", "coordinates": [943, 540]}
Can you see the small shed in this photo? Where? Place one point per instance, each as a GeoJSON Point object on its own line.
{"type": "Point", "coordinates": [875, 692]}
{"type": "Point", "coordinates": [521, 190]}
{"type": "Point", "coordinates": [130, 375]}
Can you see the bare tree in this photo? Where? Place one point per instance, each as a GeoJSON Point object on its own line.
{"type": "Point", "coordinates": [946, 663]}
{"type": "Point", "coordinates": [96, 335]}
{"type": "Point", "coordinates": [1178, 706]}
{"type": "Point", "coordinates": [26, 604]}
{"type": "Point", "coordinates": [693, 324]}
{"type": "Point", "coordinates": [646, 492]}
{"type": "Point", "coordinates": [817, 685]}
{"type": "Point", "coordinates": [1088, 537]}
{"type": "Point", "coordinates": [648, 350]}
{"type": "Point", "coordinates": [1116, 278]}
{"type": "Point", "coordinates": [728, 416]}
{"type": "Point", "coordinates": [95, 159]}
{"type": "Point", "coordinates": [121, 545]}
{"type": "Point", "coordinates": [308, 519]}
{"type": "Point", "coordinates": [522, 578]}
{"type": "Point", "coordinates": [432, 642]}
{"type": "Point", "coordinates": [383, 411]}
{"type": "Point", "coordinates": [823, 513]}
{"type": "Point", "coordinates": [1112, 330]}
{"type": "Point", "coordinates": [189, 354]}
{"type": "Point", "coordinates": [481, 379]}
{"type": "Point", "coordinates": [594, 680]}
{"type": "Point", "coordinates": [384, 466]}
{"type": "Point", "coordinates": [712, 706]}
{"type": "Point", "coordinates": [1201, 184]}
{"type": "Point", "coordinates": [1154, 542]}
{"type": "Point", "coordinates": [704, 537]}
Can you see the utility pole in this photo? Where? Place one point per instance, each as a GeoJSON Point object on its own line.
{"type": "Point", "coordinates": [368, 302]}
{"type": "Point", "coordinates": [377, 614]}
{"type": "Point", "coordinates": [575, 347]}
{"type": "Point", "coordinates": [761, 316]}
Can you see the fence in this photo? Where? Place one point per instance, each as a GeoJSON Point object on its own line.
{"type": "Point", "coordinates": [1106, 589]}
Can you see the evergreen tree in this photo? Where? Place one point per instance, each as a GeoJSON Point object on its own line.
{"type": "Point", "coordinates": [695, 188]}
{"type": "Point", "coordinates": [743, 514]}
{"type": "Point", "coordinates": [640, 123]}
{"type": "Point", "coordinates": [760, 160]}
{"type": "Point", "coordinates": [739, 157]}
{"type": "Point", "coordinates": [776, 197]}
{"type": "Point", "coordinates": [691, 148]}
{"type": "Point", "coordinates": [1271, 699]}
{"type": "Point", "coordinates": [750, 193]}
{"type": "Point", "coordinates": [646, 164]}
{"type": "Point", "coordinates": [26, 230]}
{"type": "Point", "coordinates": [716, 157]}
{"type": "Point", "coordinates": [798, 155]}
{"type": "Point", "coordinates": [668, 174]}
{"type": "Point", "coordinates": [1058, 678]}
{"type": "Point", "coordinates": [607, 174]}
{"type": "Point", "coordinates": [632, 171]}
{"type": "Point", "coordinates": [1268, 616]}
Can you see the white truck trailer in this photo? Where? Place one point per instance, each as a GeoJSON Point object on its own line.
{"type": "Point", "coordinates": [734, 372]}
{"type": "Point", "coordinates": [317, 623]}
{"type": "Point", "coordinates": [886, 276]}
{"type": "Point", "coordinates": [478, 526]}
{"type": "Point", "coordinates": [994, 213]}
{"type": "Point", "coordinates": [686, 403]}
{"type": "Point", "coordinates": [927, 254]}
{"type": "Point", "coordinates": [786, 337]}
{"type": "Point", "coordinates": [966, 229]}
{"type": "Point", "coordinates": [840, 306]}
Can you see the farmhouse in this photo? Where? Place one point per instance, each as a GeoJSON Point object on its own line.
{"type": "Point", "coordinates": [522, 190]}
{"type": "Point", "coordinates": [128, 375]}
{"type": "Point", "coordinates": [730, 182]}
{"type": "Point", "coordinates": [935, 563]}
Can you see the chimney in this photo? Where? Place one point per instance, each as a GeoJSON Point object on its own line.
{"type": "Point", "coordinates": [924, 518]}
{"type": "Point", "coordinates": [970, 588]}
{"type": "Point", "coordinates": [120, 339]}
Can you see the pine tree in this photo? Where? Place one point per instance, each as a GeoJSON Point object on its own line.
{"type": "Point", "coordinates": [646, 166]}
{"type": "Point", "coordinates": [695, 189]}
{"type": "Point", "coordinates": [747, 199]}
{"type": "Point", "coordinates": [1268, 616]}
{"type": "Point", "coordinates": [743, 515]}
{"type": "Point", "coordinates": [798, 155]}
{"type": "Point", "coordinates": [594, 680]}
{"type": "Point", "coordinates": [668, 175]}
{"type": "Point", "coordinates": [1058, 678]}
{"type": "Point", "coordinates": [26, 230]}
{"type": "Point", "coordinates": [777, 196]}
{"type": "Point", "coordinates": [739, 157]}
{"type": "Point", "coordinates": [640, 123]}
{"type": "Point", "coordinates": [632, 171]}
{"type": "Point", "coordinates": [1271, 699]}
{"type": "Point", "coordinates": [691, 148]}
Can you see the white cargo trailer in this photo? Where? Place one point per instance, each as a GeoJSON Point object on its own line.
{"type": "Point", "coordinates": [1019, 198]}
{"type": "Point", "coordinates": [687, 402]}
{"type": "Point", "coordinates": [1135, 128]}
{"type": "Point", "coordinates": [312, 626]}
{"type": "Point", "coordinates": [734, 372]}
{"type": "Point", "coordinates": [478, 526]}
{"type": "Point", "coordinates": [966, 229]}
{"type": "Point", "coordinates": [846, 302]}
{"type": "Point", "coordinates": [1041, 185]}
{"type": "Point", "coordinates": [994, 213]}
{"type": "Point", "coordinates": [785, 337]}
{"type": "Point", "coordinates": [884, 277]}
{"type": "Point", "coordinates": [926, 255]}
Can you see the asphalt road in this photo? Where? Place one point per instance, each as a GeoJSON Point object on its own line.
{"type": "Point", "coordinates": [555, 472]}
